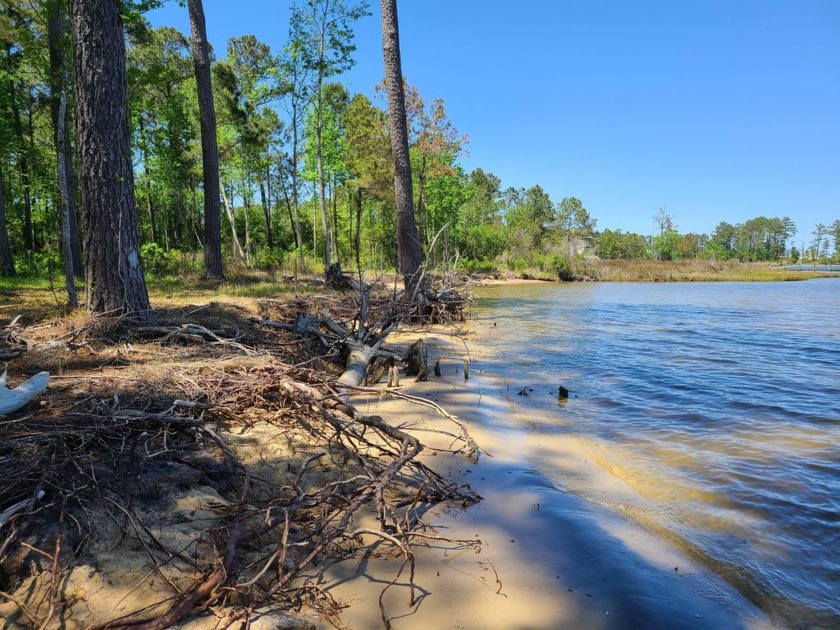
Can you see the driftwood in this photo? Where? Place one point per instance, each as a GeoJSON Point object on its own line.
{"type": "Point", "coordinates": [13, 399]}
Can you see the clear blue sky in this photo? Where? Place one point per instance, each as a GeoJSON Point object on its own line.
{"type": "Point", "coordinates": [721, 109]}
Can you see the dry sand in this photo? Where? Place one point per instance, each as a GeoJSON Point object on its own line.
{"type": "Point", "coordinates": [548, 559]}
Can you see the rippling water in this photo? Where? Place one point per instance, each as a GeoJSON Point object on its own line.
{"type": "Point", "coordinates": [717, 405]}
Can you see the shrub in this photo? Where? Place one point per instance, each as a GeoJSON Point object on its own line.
{"type": "Point", "coordinates": [158, 261]}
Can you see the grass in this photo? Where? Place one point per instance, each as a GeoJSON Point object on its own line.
{"type": "Point", "coordinates": [675, 271]}
{"type": "Point", "coordinates": [37, 300]}
{"type": "Point", "coordinates": [697, 271]}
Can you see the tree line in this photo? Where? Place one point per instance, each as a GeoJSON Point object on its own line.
{"type": "Point", "coordinates": [253, 157]}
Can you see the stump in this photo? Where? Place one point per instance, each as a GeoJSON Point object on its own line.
{"type": "Point", "coordinates": [417, 359]}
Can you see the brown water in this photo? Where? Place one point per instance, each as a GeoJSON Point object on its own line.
{"type": "Point", "coordinates": [712, 410]}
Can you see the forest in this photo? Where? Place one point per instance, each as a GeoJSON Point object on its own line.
{"type": "Point", "coordinates": [305, 168]}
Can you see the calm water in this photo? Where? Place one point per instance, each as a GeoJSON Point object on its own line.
{"type": "Point", "coordinates": [718, 407]}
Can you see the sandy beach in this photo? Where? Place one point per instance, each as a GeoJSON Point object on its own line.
{"type": "Point", "coordinates": [547, 559]}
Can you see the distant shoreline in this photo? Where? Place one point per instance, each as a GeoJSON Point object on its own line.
{"type": "Point", "coordinates": [596, 270]}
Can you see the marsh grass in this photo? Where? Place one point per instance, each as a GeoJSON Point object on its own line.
{"type": "Point", "coordinates": [696, 271]}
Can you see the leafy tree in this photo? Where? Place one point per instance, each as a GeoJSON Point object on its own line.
{"type": "Point", "coordinates": [529, 215]}
{"type": "Point", "coordinates": [834, 230]}
{"type": "Point", "coordinates": [481, 232]}
{"type": "Point", "coordinates": [159, 84]}
{"type": "Point", "coordinates": [434, 145]}
{"type": "Point", "coordinates": [573, 223]}
{"type": "Point", "coordinates": [665, 222]}
{"type": "Point", "coordinates": [819, 246]}
{"type": "Point", "coordinates": [294, 84]}
{"type": "Point", "coordinates": [333, 166]}
{"type": "Point", "coordinates": [324, 27]}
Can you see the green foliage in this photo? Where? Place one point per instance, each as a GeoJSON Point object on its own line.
{"type": "Point", "coordinates": [158, 261]}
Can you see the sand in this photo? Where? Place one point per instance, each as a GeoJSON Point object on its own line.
{"type": "Point", "coordinates": [548, 559]}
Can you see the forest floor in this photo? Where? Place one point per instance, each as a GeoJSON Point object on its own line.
{"type": "Point", "coordinates": [189, 473]}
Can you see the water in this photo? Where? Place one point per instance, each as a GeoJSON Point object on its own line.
{"type": "Point", "coordinates": [717, 406]}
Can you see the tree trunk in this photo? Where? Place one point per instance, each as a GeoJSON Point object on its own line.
{"type": "Point", "coordinates": [113, 269]}
{"type": "Point", "coordinates": [209, 147]}
{"type": "Point", "coordinates": [28, 235]}
{"type": "Point", "coordinates": [7, 261]}
{"type": "Point", "coordinates": [266, 204]}
{"type": "Point", "coordinates": [322, 185]}
{"type": "Point", "coordinates": [238, 253]}
{"type": "Point", "coordinates": [334, 200]}
{"type": "Point", "coordinates": [295, 194]}
{"type": "Point", "coordinates": [409, 251]}
{"type": "Point", "coordinates": [246, 202]}
{"type": "Point", "coordinates": [66, 242]}
{"type": "Point", "coordinates": [56, 28]}
{"type": "Point", "coordinates": [70, 175]}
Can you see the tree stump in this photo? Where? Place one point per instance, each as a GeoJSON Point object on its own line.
{"type": "Point", "coordinates": [417, 359]}
{"type": "Point", "coordinates": [437, 368]}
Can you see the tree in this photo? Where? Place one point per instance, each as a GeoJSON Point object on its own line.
{"type": "Point", "coordinates": [480, 231]}
{"type": "Point", "coordinates": [56, 28]}
{"type": "Point", "coordinates": [409, 252]}
{"type": "Point", "coordinates": [834, 230]}
{"type": "Point", "coordinates": [574, 223]}
{"type": "Point", "coordinates": [57, 42]}
{"type": "Point", "coordinates": [294, 83]}
{"type": "Point", "coordinates": [7, 261]}
{"type": "Point", "coordinates": [325, 26]}
{"type": "Point", "coordinates": [665, 223]}
{"type": "Point", "coordinates": [820, 242]}
{"type": "Point", "coordinates": [434, 145]}
{"type": "Point", "coordinates": [209, 147]}
{"type": "Point", "coordinates": [114, 272]}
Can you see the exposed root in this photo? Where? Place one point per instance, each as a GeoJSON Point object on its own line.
{"type": "Point", "coordinates": [143, 412]}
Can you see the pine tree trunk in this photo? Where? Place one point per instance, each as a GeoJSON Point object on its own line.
{"type": "Point", "coordinates": [409, 252]}
{"type": "Point", "coordinates": [209, 147]}
{"type": "Point", "coordinates": [7, 261]}
{"type": "Point", "coordinates": [114, 273]}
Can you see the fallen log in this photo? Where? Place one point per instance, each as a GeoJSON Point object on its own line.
{"type": "Point", "coordinates": [13, 399]}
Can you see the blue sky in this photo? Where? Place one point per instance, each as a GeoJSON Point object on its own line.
{"type": "Point", "coordinates": [723, 110]}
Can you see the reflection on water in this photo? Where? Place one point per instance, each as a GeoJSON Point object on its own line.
{"type": "Point", "coordinates": [716, 405]}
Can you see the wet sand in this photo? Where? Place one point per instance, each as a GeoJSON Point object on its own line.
{"type": "Point", "coordinates": [548, 559]}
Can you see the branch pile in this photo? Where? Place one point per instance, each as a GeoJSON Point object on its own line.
{"type": "Point", "coordinates": [211, 481]}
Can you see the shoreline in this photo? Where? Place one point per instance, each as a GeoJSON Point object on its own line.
{"type": "Point", "coordinates": [548, 559]}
